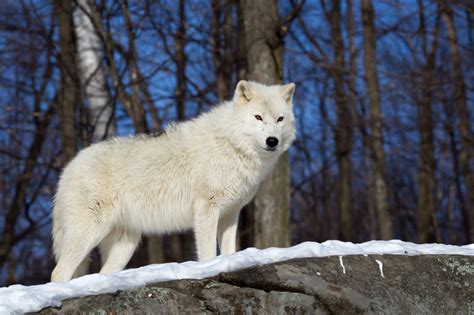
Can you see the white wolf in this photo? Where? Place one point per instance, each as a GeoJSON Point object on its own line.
{"type": "Point", "coordinates": [198, 174]}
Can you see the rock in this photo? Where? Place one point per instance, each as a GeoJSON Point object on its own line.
{"type": "Point", "coordinates": [388, 284]}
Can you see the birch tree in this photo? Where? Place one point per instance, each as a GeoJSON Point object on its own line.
{"type": "Point", "coordinates": [90, 56]}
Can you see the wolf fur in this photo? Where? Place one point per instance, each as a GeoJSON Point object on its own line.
{"type": "Point", "coordinates": [198, 175]}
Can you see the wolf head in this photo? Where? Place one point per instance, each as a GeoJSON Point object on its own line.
{"type": "Point", "coordinates": [266, 113]}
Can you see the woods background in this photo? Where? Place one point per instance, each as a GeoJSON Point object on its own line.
{"type": "Point", "coordinates": [384, 106]}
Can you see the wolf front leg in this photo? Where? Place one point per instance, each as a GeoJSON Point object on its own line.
{"type": "Point", "coordinates": [206, 217]}
{"type": "Point", "coordinates": [227, 232]}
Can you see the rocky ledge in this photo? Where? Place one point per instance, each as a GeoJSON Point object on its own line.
{"type": "Point", "coordinates": [378, 284]}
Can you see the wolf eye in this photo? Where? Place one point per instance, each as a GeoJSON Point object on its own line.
{"type": "Point", "coordinates": [280, 118]}
{"type": "Point", "coordinates": [258, 117]}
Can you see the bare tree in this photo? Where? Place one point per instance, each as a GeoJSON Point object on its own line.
{"type": "Point", "coordinates": [462, 110]}
{"type": "Point", "coordinates": [180, 61]}
{"type": "Point", "coordinates": [27, 126]}
{"type": "Point", "coordinates": [10, 235]}
{"type": "Point", "coordinates": [136, 108]}
{"type": "Point", "coordinates": [222, 47]}
{"type": "Point", "coordinates": [427, 167]}
{"type": "Point", "coordinates": [265, 65]}
{"type": "Point", "coordinates": [68, 97]}
{"type": "Point", "coordinates": [241, 49]}
{"type": "Point", "coordinates": [344, 129]}
{"type": "Point", "coordinates": [130, 101]}
{"type": "Point", "coordinates": [380, 187]}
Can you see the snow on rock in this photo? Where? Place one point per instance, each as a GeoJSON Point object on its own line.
{"type": "Point", "coordinates": [17, 299]}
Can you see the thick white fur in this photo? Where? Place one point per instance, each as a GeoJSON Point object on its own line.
{"type": "Point", "coordinates": [199, 174]}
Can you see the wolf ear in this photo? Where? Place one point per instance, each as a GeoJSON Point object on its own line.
{"type": "Point", "coordinates": [243, 92]}
{"type": "Point", "coordinates": [287, 91]}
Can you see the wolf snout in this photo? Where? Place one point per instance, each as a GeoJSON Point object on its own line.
{"type": "Point", "coordinates": [272, 142]}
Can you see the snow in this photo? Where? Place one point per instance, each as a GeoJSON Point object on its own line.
{"type": "Point", "coordinates": [17, 299]}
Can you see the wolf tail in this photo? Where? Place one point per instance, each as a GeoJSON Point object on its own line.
{"type": "Point", "coordinates": [58, 238]}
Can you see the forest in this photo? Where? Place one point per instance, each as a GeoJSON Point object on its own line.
{"type": "Point", "coordinates": [384, 106]}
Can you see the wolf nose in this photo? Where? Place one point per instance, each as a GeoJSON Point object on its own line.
{"type": "Point", "coordinates": [272, 142]}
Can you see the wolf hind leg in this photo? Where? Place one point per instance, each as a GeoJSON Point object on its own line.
{"type": "Point", "coordinates": [83, 268]}
{"type": "Point", "coordinates": [117, 249]}
{"type": "Point", "coordinates": [77, 244]}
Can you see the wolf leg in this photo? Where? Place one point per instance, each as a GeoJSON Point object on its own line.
{"type": "Point", "coordinates": [227, 232]}
{"type": "Point", "coordinates": [117, 249]}
{"type": "Point", "coordinates": [83, 268]}
{"type": "Point", "coordinates": [77, 245]}
{"type": "Point", "coordinates": [206, 217]}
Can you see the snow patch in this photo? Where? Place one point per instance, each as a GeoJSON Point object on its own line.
{"type": "Point", "coordinates": [34, 298]}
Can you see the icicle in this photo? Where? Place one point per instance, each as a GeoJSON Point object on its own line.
{"type": "Point", "coordinates": [342, 265]}
{"type": "Point", "coordinates": [380, 267]}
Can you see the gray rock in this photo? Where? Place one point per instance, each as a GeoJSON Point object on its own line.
{"type": "Point", "coordinates": [430, 284]}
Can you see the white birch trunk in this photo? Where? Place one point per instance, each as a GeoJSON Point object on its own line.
{"type": "Point", "coordinates": [89, 53]}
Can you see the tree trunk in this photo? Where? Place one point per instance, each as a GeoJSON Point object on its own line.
{"type": "Point", "coordinates": [155, 249]}
{"type": "Point", "coordinates": [246, 226]}
{"type": "Point", "coordinates": [136, 104]}
{"type": "Point", "coordinates": [449, 127]}
{"type": "Point", "coordinates": [180, 61]}
{"type": "Point", "coordinates": [343, 132]}
{"type": "Point", "coordinates": [241, 47]}
{"type": "Point", "coordinates": [427, 166]}
{"type": "Point", "coordinates": [68, 95]}
{"type": "Point", "coordinates": [265, 65]}
{"type": "Point", "coordinates": [222, 47]}
{"type": "Point", "coordinates": [379, 188]}
{"type": "Point", "coordinates": [462, 110]}
{"type": "Point", "coordinates": [89, 50]}
{"type": "Point", "coordinates": [227, 54]}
